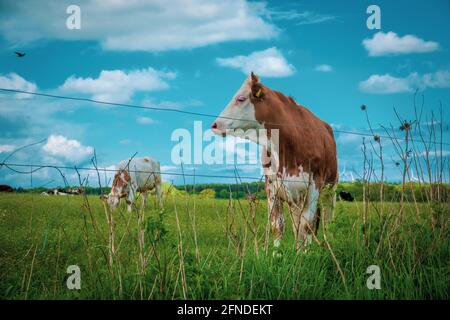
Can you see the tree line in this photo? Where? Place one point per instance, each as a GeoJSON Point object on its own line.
{"type": "Point", "coordinates": [392, 191]}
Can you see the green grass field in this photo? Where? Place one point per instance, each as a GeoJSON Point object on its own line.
{"type": "Point", "coordinates": [205, 249]}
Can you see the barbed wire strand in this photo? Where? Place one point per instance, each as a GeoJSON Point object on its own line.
{"type": "Point", "coordinates": [168, 109]}
{"type": "Point", "coordinates": [37, 167]}
{"type": "Point", "coordinates": [40, 167]}
{"type": "Point", "coordinates": [21, 148]}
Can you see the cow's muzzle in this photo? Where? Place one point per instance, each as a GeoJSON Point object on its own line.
{"type": "Point", "coordinates": [216, 127]}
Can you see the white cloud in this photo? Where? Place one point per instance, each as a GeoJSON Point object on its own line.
{"type": "Point", "coordinates": [385, 84]}
{"type": "Point", "coordinates": [144, 120]}
{"type": "Point", "coordinates": [22, 102]}
{"type": "Point", "coordinates": [301, 17]}
{"type": "Point", "coordinates": [168, 168]}
{"type": "Point", "coordinates": [348, 138]}
{"type": "Point", "coordinates": [391, 44]}
{"type": "Point", "coordinates": [24, 127]}
{"type": "Point", "coordinates": [166, 171]}
{"type": "Point", "coordinates": [107, 174]}
{"type": "Point", "coordinates": [324, 68]}
{"type": "Point", "coordinates": [266, 63]}
{"type": "Point", "coordinates": [68, 149]}
{"type": "Point", "coordinates": [336, 125]}
{"type": "Point", "coordinates": [118, 85]}
{"type": "Point", "coordinates": [124, 141]}
{"type": "Point", "coordinates": [16, 82]}
{"type": "Point", "coordinates": [169, 104]}
{"type": "Point", "coordinates": [439, 79]}
{"type": "Point", "coordinates": [6, 148]}
{"type": "Point", "coordinates": [431, 154]}
{"type": "Point", "coordinates": [143, 25]}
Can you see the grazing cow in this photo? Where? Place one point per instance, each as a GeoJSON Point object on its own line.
{"type": "Point", "coordinates": [299, 166]}
{"type": "Point", "coordinates": [346, 196]}
{"type": "Point", "coordinates": [56, 192]}
{"type": "Point", "coordinates": [62, 192]}
{"type": "Point", "coordinates": [74, 191]}
{"type": "Point", "coordinates": [6, 188]}
{"type": "Point", "coordinates": [137, 174]}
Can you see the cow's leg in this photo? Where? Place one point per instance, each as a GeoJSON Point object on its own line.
{"type": "Point", "coordinates": [276, 220]}
{"type": "Point", "coordinates": [130, 199]}
{"type": "Point", "coordinates": [304, 214]}
{"type": "Point", "coordinates": [328, 197]}
{"type": "Point", "coordinates": [144, 199]}
{"type": "Point", "coordinates": [275, 208]}
{"type": "Point", "coordinates": [159, 191]}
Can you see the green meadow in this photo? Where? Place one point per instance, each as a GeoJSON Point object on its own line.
{"type": "Point", "coordinates": [203, 248]}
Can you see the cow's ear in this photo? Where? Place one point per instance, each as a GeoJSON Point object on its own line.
{"type": "Point", "coordinates": [257, 92]}
{"type": "Point", "coordinates": [254, 77]}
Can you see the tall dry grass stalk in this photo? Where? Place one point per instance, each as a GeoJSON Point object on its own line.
{"type": "Point", "coordinates": [182, 269]}
{"type": "Point", "coordinates": [31, 273]}
{"type": "Point", "coordinates": [418, 146]}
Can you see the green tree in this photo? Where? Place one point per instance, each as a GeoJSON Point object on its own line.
{"type": "Point", "coordinates": [207, 193]}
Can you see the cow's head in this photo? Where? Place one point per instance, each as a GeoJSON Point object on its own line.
{"type": "Point", "coordinates": [249, 115]}
{"type": "Point", "coordinates": [240, 112]}
{"type": "Point", "coordinates": [119, 189]}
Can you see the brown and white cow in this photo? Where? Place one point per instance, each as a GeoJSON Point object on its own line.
{"type": "Point", "coordinates": [55, 192]}
{"type": "Point", "coordinates": [303, 155]}
{"type": "Point", "coordinates": [132, 176]}
{"type": "Point", "coordinates": [6, 188]}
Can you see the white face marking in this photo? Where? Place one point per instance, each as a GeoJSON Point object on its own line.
{"type": "Point", "coordinates": [119, 187]}
{"type": "Point", "coordinates": [239, 113]}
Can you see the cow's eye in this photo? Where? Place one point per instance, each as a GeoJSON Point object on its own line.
{"type": "Point", "coordinates": [241, 98]}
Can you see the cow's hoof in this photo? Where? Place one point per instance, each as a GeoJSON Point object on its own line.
{"type": "Point", "coordinates": [276, 243]}
{"type": "Point", "coordinates": [276, 254]}
{"type": "Point", "coordinates": [303, 249]}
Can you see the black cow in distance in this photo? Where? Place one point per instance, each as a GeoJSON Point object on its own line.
{"type": "Point", "coordinates": [346, 196]}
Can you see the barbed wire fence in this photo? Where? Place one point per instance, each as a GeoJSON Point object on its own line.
{"type": "Point", "coordinates": [192, 113]}
{"type": "Point", "coordinates": [237, 238]}
{"type": "Point", "coordinates": [33, 167]}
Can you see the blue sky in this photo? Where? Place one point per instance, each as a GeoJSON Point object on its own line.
{"type": "Point", "coordinates": [193, 56]}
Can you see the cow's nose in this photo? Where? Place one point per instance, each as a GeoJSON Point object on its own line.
{"type": "Point", "coordinates": [214, 125]}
